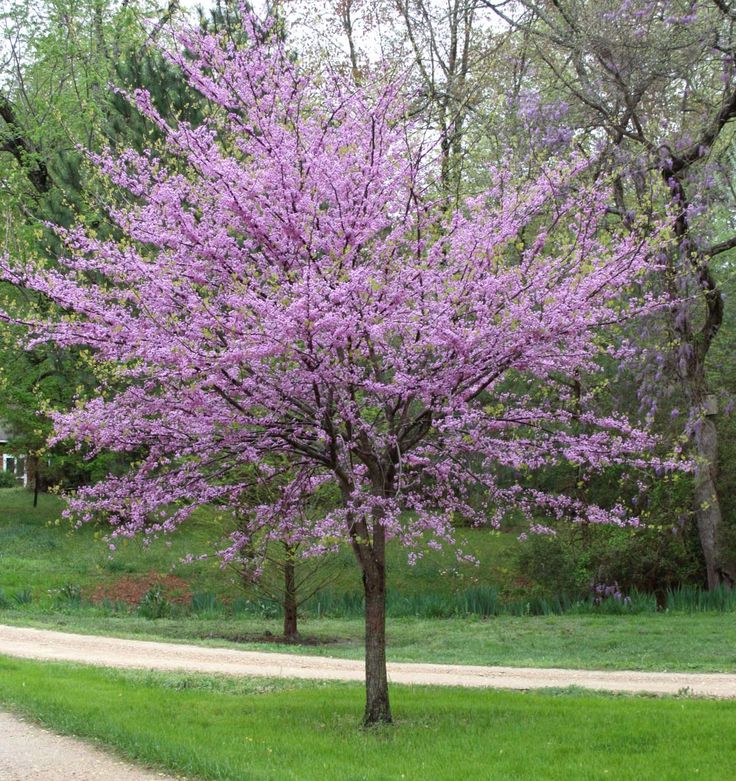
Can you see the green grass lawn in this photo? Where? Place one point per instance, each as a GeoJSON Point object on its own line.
{"type": "Point", "coordinates": [254, 730]}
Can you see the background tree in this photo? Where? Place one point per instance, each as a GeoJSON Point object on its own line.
{"type": "Point", "coordinates": [654, 84]}
{"type": "Point", "coordinates": [273, 565]}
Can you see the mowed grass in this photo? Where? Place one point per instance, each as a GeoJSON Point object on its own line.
{"type": "Point", "coordinates": [253, 730]}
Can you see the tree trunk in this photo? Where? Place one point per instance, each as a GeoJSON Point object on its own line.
{"type": "Point", "coordinates": [704, 436]}
{"type": "Point", "coordinates": [33, 474]}
{"type": "Point", "coordinates": [704, 449]}
{"type": "Point", "coordinates": [707, 506]}
{"type": "Point", "coordinates": [368, 541]}
{"type": "Point", "coordinates": [291, 632]}
{"type": "Point", "coordinates": [377, 708]}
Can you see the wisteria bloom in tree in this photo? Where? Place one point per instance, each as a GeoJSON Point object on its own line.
{"type": "Point", "coordinates": [287, 290]}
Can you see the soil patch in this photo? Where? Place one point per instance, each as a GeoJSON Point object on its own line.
{"type": "Point", "coordinates": [132, 588]}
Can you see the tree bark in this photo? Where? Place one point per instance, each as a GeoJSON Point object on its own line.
{"type": "Point", "coordinates": [377, 707]}
{"type": "Point", "coordinates": [707, 506]}
{"type": "Point", "coordinates": [693, 376]}
{"type": "Point", "coordinates": [719, 571]}
{"type": "Point", "coordinates": [291, 631]}
{"type": "Point", "coordinates": [368, 541]}
{"type": "Point", "coordinates": [36, 479]}
{"type": "Point", "coordinates": [13, 140]}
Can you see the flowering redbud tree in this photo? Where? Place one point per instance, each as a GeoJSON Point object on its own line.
{"type": "Point", "coordinates": [284, 290]}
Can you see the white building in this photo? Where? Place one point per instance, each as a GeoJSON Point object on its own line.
{"type": "Point", "coordinates": [12, 462]}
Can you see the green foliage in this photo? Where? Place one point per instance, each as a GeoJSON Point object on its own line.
{"type": "Point", "coordinates": [205, 602]}
{"type": "Point", "coordinates": [690, 599]}
{"type": "Point", "coordinates": [63, 58]}
{"type": "Point", "coordinates": [650, 559]}
{"type": "Point", "coordinates": [23, 597]}
{"type": "Point", "coordinates": [69, 595]}
{"type": "Point", "coordinates": [154, 604]}
{"type": "Point", "coordinates": [8, 480]}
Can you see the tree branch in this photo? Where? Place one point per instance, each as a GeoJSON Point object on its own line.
{"type": "Point", "coordinates": [22, 149]}
{"type": "Point", "coordinates": [721, 246]}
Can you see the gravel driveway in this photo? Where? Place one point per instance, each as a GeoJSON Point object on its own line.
{"type": "Point", "coordinates": [31, 753]}
{"type": "Point", "coordinates": [115, 652]}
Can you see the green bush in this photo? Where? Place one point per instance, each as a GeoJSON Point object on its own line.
{"type": "Point", "coordinates": [652, 560]}
{"type": "Point", "coordinates": [553, 565]}
{"type": "Point", "coordinates": [8, 480]}
{"type": "Point", "coordinates": [23, 597]}
{"type": "Point", "coordinates": [69, 595]}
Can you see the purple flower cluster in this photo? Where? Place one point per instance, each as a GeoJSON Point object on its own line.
{"type": "Point", "coordinates": [608, 591]}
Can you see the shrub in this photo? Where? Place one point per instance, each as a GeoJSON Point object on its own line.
{"type": "Point", "coordinates": [652, 559]}
{"type": "Point", "coordinates": [23, 597]}
{"type": "Point", "coordinates": [8, 480]}
{"type": "Point", "coordinates": [69, 595]}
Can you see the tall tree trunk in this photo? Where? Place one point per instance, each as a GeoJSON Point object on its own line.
{"type": "Point", "coordinates": [368, 540]}
{"type": "Point", "coordinates": [692, 370]}
{"type": "Point", "coordinates": [291, 632]}
{"type": "Point", "coordinates": [707, 506]}
{"type": "Point", "coordinates": [720, 570]}
{"type": "Point", "coordinates": [704, 449]}
{"type": "Point", "coordinates": [377, 708]}
{"type": "Point", "coordinates": [36, 462]}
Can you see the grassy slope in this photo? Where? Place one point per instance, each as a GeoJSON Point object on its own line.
{"type": "Point", "coordinates": [39, 554]}
{"type": "Point", "coordinates": [259, 730]}
{"type": "Point", "coordinates": [42, 553]}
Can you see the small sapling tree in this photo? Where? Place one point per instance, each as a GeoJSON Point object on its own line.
{"type": "Point", "coordinates": [273, 564]}
{"type": "Point", "coordinates": [286, 287]}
